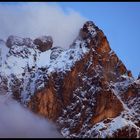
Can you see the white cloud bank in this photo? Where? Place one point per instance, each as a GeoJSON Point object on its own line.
{"type": "Point", "coordinates": [18, 122]}
{"type": "Point", "coordinates": [36, 19]}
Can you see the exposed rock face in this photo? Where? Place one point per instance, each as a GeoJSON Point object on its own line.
{"type": "Point", "coordinates": [14, 40]}
{"type": "Point", "coordinates": [108, 106]}
{"type": "Point", "coordinates": [43, 43]}
{"type": "Point", "coordinates": [86, 90]}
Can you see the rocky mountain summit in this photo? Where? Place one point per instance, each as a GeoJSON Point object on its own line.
{"type": "Point", "coordinates": [85, 89]}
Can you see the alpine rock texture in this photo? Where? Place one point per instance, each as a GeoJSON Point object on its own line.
{"type": "Point", "coordinates": [85, 89]}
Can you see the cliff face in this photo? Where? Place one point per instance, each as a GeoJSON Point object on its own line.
{"type": "Point", "coordinates": [86, 90]}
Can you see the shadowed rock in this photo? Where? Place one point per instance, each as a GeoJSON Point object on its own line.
{"type": "Point", "coordinates": [44, 43]}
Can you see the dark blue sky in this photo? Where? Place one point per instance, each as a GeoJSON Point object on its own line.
{"type": "Point", "coordinates": [120, 22]}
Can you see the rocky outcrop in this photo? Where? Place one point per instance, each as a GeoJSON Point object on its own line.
{"type": "Point", "coordinates": [43, 43]}
{"type": "Point", "coordinates": [108, 106]}
{"type": "Point", "coordinates": [86, 90]}
{"type": "Point", "coordinates": [14, 40]}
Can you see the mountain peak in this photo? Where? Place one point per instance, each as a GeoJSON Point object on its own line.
{"type": "Point", "coordinates": [85, 89]}
{"type": "Point", "coordinates": [88, 30]}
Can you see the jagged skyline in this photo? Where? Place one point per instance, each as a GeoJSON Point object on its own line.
{"type": "Point", "coordinates": [119, 20]}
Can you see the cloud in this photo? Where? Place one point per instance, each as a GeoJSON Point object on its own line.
{"type": "Point", "coordinates": [36, 19]}
{"type": "Point", "coordinates": [18, 122]}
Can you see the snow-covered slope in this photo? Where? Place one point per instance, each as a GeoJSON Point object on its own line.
{"type": "Point", "coordinates": [26, 64]}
